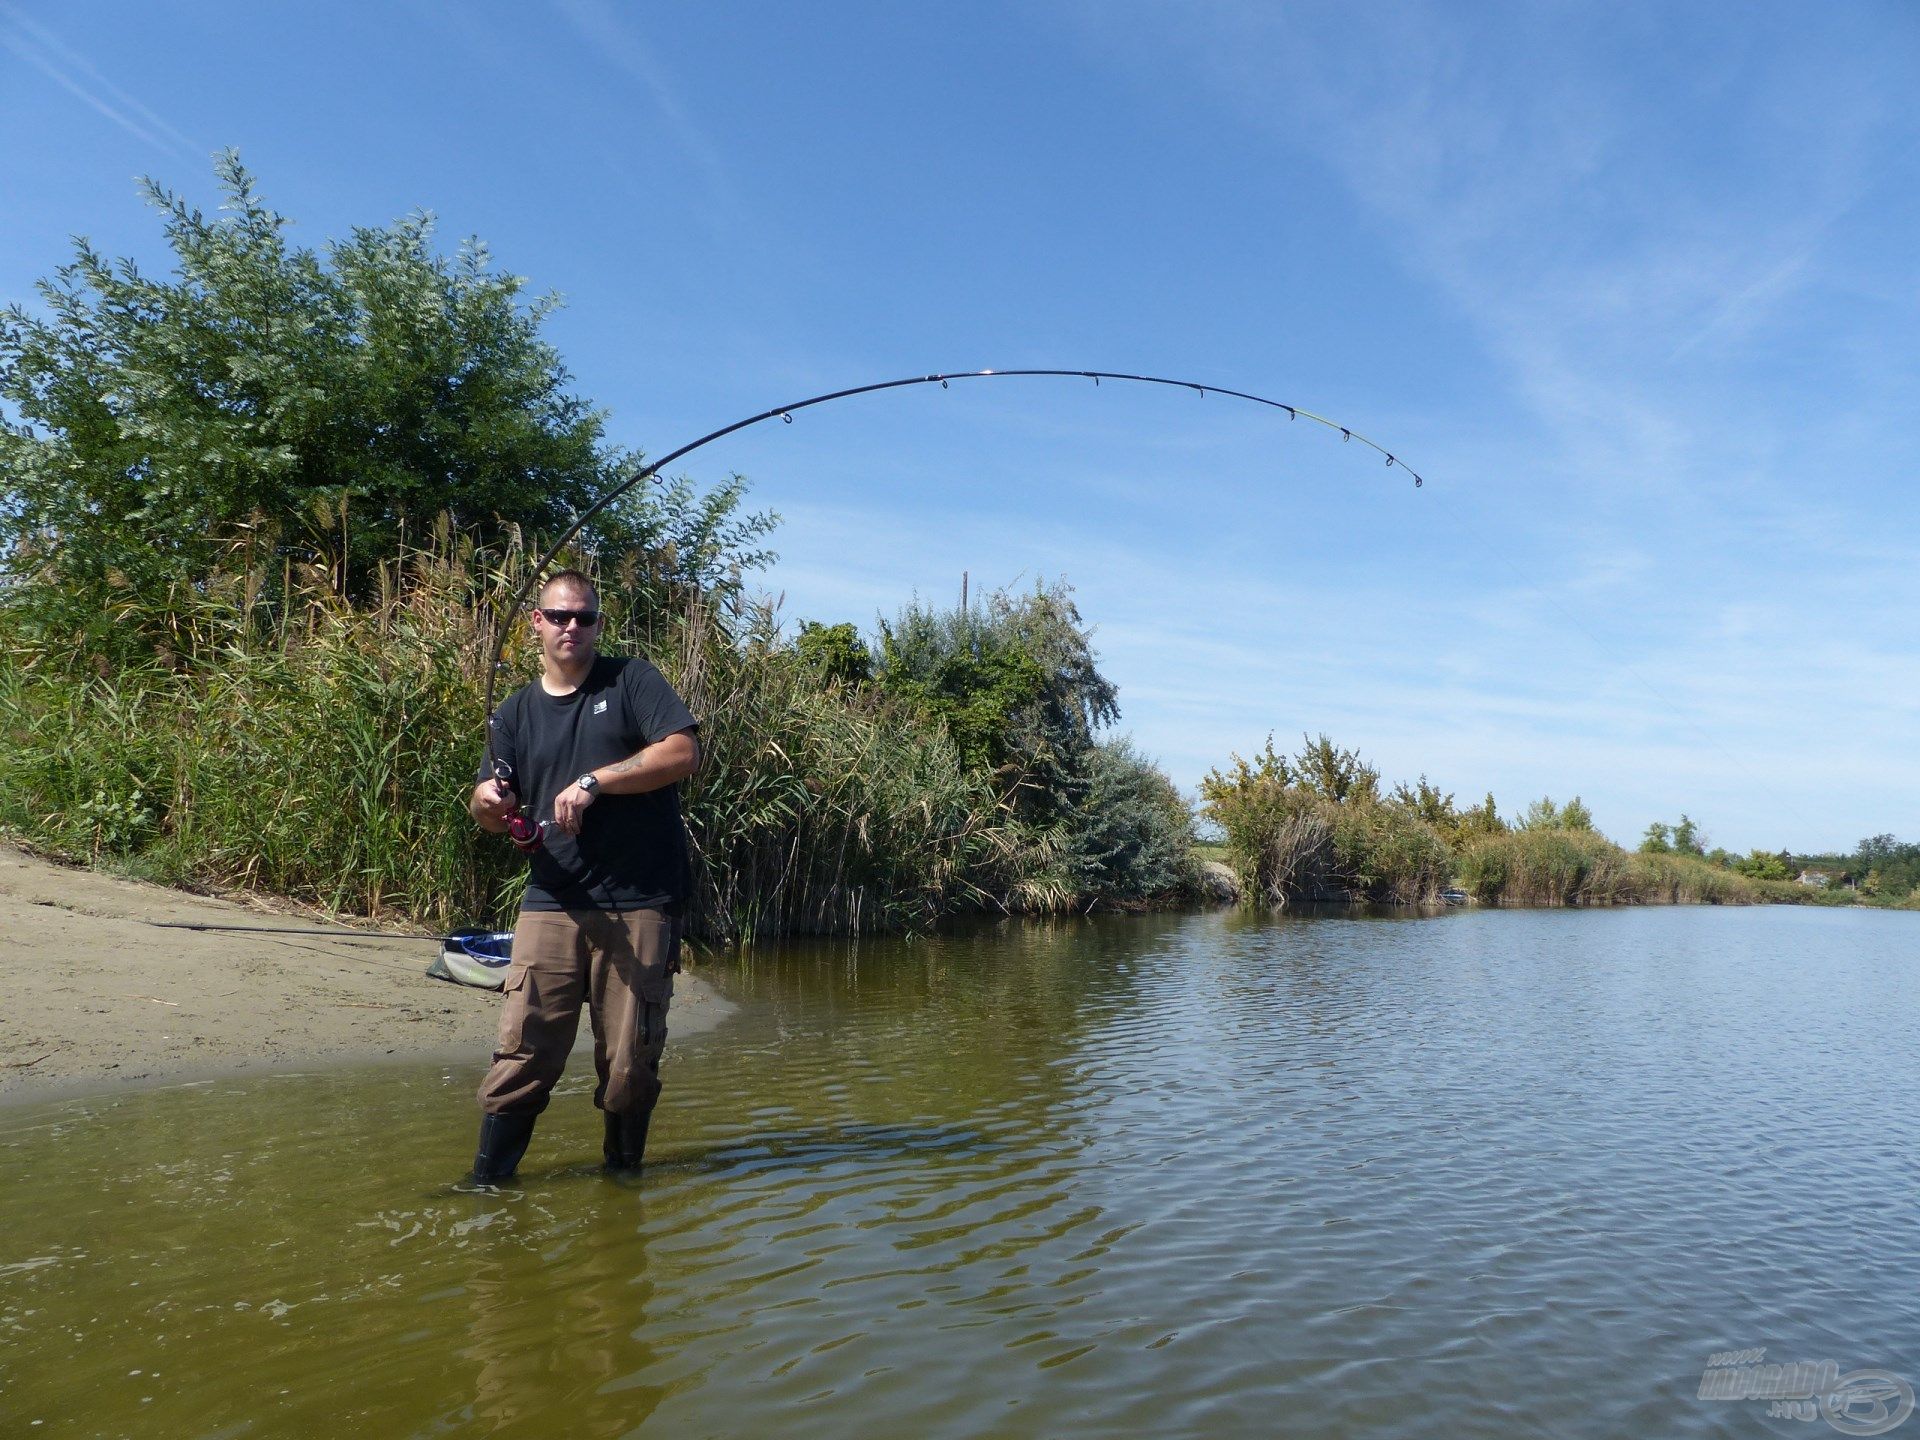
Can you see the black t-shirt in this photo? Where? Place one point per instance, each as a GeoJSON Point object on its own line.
{"type": "Point", "coordinates": [631, 852]}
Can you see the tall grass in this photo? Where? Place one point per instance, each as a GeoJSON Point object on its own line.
{"type": "Point", "coordinates": [324, 752]}
{"type": "Point", "coordinates": [1289, 844]}
{"type": "Point", "coordinates": [818, 809]}
{"type": "Point", "coordinates": [1555, 867]}
{"type": "Point", "coordinates": [1315, 827]}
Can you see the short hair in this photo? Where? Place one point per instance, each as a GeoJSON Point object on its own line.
{"type": "Point", "coordinates": [573, 580]}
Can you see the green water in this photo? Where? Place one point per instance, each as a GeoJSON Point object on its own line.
{"type": "Point", "coordinates": [1487, 1174]}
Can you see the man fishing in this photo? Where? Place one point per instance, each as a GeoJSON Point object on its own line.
{"type": "Point", "coordinates": [594, 751]}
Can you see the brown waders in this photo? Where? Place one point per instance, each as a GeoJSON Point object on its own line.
{"type": "Point", "coordinates": [621, 963]}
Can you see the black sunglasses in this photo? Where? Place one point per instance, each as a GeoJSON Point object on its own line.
{"type": "Point", "coordinates": [587, 618]}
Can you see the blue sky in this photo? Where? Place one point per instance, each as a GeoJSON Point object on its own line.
{"type": "Point", "coordinates": [1634, 286]}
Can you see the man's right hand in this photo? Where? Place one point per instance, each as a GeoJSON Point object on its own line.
{"type": "Point", "coordinates": [493, 805]}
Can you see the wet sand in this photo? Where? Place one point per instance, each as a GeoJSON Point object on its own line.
{"type": "Point", "coordinates": [100, 993]}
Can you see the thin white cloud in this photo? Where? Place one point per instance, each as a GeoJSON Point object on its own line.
{"type": "Point", "coordinates": [75, 74]}
{"type": "Point", "coordinates": [1531, 184]}
{"type": "Point", "coordinates": [608, 30]}
{"type": "Point", "coordinates": [1669, 591]}
{"type": "Point", "coordinates": [1743, 309]}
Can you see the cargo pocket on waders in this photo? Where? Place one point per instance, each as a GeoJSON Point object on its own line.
{"type": "Point", "coordinates": [513, 1012]}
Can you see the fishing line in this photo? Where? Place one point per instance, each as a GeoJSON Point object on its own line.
{"type": "Point", "coordinates": [282, 930]}
{"type": "Point", "coordinates": [502, 618]}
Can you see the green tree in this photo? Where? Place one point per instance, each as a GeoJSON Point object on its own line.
{"type": "Point", "coordinates": [1133, 836]}
{"type": "Point", "coordinates": [1541, 814]}
{"type": "Point", "coordinates": [1268, 770]}
{"type": "Point", "coordinates": [1888, 868]}
{"type": "Point", "coordinates": [1429, 802]}
{"type": "Point", "coordinates": [272, 403]}
{"type": "Point", "coordinates": [1017, 684]}
{"type": "Point", "coordinates": [1336, 774]}
{"type": "Point", "coordinates": [1682, 838]}
{"type": "Point", "coordinates": [1762, 865]}
{"type": "Point", "coordinates": [968, 674]}
{"type": "Point", "coordinates": [1481, 819]}
{"type": "Point", "coordinates": [1015, 679]}
{"type": "Point", "coordinates": [672, 541]}
{"type": "Point", "coordinates": [835, 653]}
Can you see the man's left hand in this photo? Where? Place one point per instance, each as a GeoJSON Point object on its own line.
{"type": "Point", "coordinates": [570, 808]}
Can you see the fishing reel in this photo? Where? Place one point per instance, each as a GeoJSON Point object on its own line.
{"type": "Point", "coordinates": [527, 835]}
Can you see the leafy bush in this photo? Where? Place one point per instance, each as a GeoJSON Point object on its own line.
{"type": "Point", "coordinates": [1546, 866]}
{"type": "Point", "coordinates": [1015, 683]}
{"type": "Point", "coordinates": [1312, 827]}
{"type": "Point", "coordinates": [1132, 839]}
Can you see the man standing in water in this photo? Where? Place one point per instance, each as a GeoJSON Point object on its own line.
{"type": "Point", "coordinates": [597, 747]}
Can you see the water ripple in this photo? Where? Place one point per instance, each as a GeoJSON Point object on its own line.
{"type": "Point", "coordinates": [1496, 1174]}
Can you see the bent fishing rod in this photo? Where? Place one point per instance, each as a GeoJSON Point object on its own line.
{"type": "Point", "coordinates": [522, 830]}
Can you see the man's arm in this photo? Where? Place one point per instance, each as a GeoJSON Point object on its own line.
{"type": "Point", "coordinates": [667, 761]}
{"type": "Point", "coordinates": [670, 759]}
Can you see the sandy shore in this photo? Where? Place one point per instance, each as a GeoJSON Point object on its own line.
{"type": "Point", "coordinates": [100, 993]}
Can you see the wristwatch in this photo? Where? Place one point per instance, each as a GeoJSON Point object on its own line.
{"type": "Point", "coordinates": [589, 782]}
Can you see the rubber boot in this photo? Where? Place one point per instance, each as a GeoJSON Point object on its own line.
{"type": "Point", "coordinates": [503, 1140]}
{"type": "Point", "coordinates": [626, 1141]}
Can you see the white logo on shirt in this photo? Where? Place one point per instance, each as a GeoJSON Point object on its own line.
{"type": "Point", "coordinates": [600, 707]}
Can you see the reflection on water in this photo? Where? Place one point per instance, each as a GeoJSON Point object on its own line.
{"type": "Point", "coordinates": [1488, 1174]}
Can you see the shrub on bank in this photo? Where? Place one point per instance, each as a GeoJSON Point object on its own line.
{"type": "Point", "coordinates": [1013, 679]}
{"type": "Point", "coordinates": [1543, 866]}
{"type": "Point", "coordinates": [1314, 828]}
{"type": "Point", "coordinates": [818, 808]}
{"type": "Point", "coordinates": [1554, 867]}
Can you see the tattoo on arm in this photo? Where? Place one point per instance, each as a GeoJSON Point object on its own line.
{"type": "Point", "coordinates": [666, 770]}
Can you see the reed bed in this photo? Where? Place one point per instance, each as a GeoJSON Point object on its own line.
{"type": "Point", "coordinates": [1288, 845]}
{"type": "Point", "coordinates": [819, 808]}
{"type": "Point", "coordinates": [321, 752]}
{"type": "Point", "coordinates": [271, 735]}
{"type": "Point", "coordinates": [1557, 867]}
{"type": "Point", "coordinates": [1316, 827]}
{"type": "Point", "coordinates": [324, 751]}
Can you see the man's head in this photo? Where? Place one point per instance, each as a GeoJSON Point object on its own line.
{"type": "Point", "coordinates": [567, 619]}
